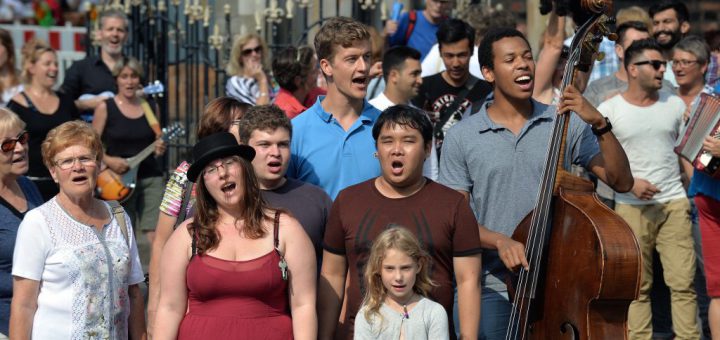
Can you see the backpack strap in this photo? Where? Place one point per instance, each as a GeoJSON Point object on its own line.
{"type": "Point", "coordinates": [412, 18]}
{"type": "Point", "coordinates": [119, 214]}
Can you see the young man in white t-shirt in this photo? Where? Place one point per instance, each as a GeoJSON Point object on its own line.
{"type": "Point", "coordinates": [647, 121]}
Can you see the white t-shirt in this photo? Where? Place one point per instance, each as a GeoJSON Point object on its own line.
{"type": "Point", "coordinates": [430, 167]}
{"type": "Point", "coordinates": [84, 275]}
{"type": "Point", "coordinates": [433, 64]}
{"type": "Point", "coordinates": [648, 134]}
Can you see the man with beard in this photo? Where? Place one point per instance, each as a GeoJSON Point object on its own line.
{"type": "Point", "coordinates": [657, 208]}
{"type": "Point", "coordinates": [93, 75]}
{"type": "Point", "coordinates": [333, 147]}
{"type": "Point", "coordinates": [670, 20]}
{"type": "Point", "coordinates": [438, 216]}
{"type": "Point", "coordinates": [450, 93]}
{"type": "Point", "coordinates": [495, 158]}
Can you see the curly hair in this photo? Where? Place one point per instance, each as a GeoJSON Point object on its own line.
{"type": "Point", "coordinates": [31, 53]}
{"type": "Point", "coordinates": [263, 117]}
{"type": "Point", "coordinates": [255, 211]}
{"type": "Point", "coordinates": [398, 238]}
{"type": "Point", "coordinates": [291, 63]}
{"type": "Point", "coordinates": [235, 64]}
{"type": "Point", "coordinates": [342, 31]}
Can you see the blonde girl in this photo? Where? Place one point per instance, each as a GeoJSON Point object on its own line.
{"type": "Point", "coordinates": [397, 281]}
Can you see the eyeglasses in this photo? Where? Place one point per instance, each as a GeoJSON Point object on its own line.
{"type": "Point", "coordinates": [246, 52]}
{"type": "Point", "coordinates": [683, 63]}
{"type": "Point", "coordinates": [67, 163]}
{"type": "Point", "coordinates": [655, 63]}
{"type": "Point", "coordinates": [227, 163]}
{"type": "Point", "coordinates": [9, 145]}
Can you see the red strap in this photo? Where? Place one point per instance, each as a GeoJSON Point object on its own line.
{"type": "Point", "coordinates": [412, 15]}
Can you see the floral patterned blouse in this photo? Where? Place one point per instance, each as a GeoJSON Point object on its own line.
{"type": "Point", "coordinates": [84, 274]}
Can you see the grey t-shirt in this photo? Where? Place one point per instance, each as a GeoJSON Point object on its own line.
{"type": "Point", "coordinates": [309, 204]}
{"type": "Point", "coordinates": [607, 87]}
{"type": "Point", "coordinates": [503, 171]}
{"type": "Point", "coordinates": [426, 321]}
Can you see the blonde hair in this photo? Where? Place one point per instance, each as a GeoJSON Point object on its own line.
{"type": "Point", "coordinates": [129, 62]}
{"type": "Point", "coordinates": [9, 121]}
{"type": "Point", "coordinates": [69, 134]}
{"type": "Point", "coordinates": [31, 53]}
{"type": "Point", "coordinates": [398, 238]}
{"type": "Point", "coordinates": [235, 65]}
{"type": "Point", "coordinates": [634, 13]}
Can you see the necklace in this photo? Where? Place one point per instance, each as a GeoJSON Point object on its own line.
{"type": "Point", "coordinates": [404, 305]}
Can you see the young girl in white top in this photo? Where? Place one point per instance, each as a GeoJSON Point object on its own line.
{"type": "Point", "coordinates": [397, 281]}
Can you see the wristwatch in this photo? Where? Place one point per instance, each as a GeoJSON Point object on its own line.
{"type": "Point", "coordinates": [602, 131]}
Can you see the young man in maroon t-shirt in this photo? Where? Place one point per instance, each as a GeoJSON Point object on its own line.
{"type": "Point", "coordinates": [440, 217]}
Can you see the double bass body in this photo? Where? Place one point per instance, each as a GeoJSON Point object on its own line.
{"type": "Point", "coordinates": [591, 268]}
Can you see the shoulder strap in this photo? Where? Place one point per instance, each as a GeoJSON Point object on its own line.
{"type": "Point", "coordinates": [412, 18]}
{"type": "Point", "coordinates": [150, 116]}
{"type": "Point", "coordinates": [185, 200]}
{"type": "Point", "coordinates": [447, 111]}
{"type": "Point", "coordinates": [276, 230]}
{"type": "Point", "coordinates": [119, 214]}
{"type": "Point", "coordinates": [31, 106]}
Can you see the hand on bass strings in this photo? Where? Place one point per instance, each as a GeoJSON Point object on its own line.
{"type": "Point", "coordinates": [117, 164]}
{"type": "Point", "coordinates": [644, 190]}
{"type": "Point", "coordinates": [512, 253]}
{"type": "Point", "coordinates": [573, 100]}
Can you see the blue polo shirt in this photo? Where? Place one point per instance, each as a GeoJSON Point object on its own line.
{"type": "Point", "coordinates": [324, 154]}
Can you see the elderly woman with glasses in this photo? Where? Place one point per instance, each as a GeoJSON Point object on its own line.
{"type": "Point", "coordinates": [246, 271]}
{"type": "Point", "coordinates": [76, 268]}
{"type": "Point", "coordinates": [17, 196]}
{"type": "Point", "coordinates": [249, 82]}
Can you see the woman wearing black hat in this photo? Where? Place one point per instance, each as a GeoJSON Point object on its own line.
{"type": "Point", "coordinates": [244, 267]}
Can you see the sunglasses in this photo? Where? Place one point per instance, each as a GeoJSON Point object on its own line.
{"type": "Point", "coordinates": [9, 145]}
{"type": "Point", "coordinates": [246, 52]}
{"type": "Point", "coordinates": [655, 63]}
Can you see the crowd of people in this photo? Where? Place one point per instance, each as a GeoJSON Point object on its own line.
{"type": "Point", "coordinates": [310, 209]}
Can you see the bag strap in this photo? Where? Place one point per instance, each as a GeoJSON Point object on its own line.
{"type": "Point", "coordinates": [185, 201]}
{"type": "Point", "coordinates": [31, 105]}
{"type": "Point", "coordinates": [150, 116]}
{"type": "Point", "coordinates": [447, 111]}
{"type": "Point", "coordinates": [119, 214]}
{"type": "Point", "coordinates": [412, 18]}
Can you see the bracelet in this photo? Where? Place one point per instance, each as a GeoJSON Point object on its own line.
{"type": "Point", "coordinates": [262, 94]}
{"type": "Point", "coordinates": [602, 131]}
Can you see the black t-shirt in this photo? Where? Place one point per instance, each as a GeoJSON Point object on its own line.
{"type": "Point", "coordinates": [435, 94]}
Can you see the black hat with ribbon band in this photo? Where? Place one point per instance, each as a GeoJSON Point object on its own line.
{"type": "Point", "coordinates": [218, 145]}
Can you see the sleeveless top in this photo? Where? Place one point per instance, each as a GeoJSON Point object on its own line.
{"type": "Point", "coordinates": [126, 137]}
{"type": "Point", "coordinates": [237, 299]}
{"type": "Point", "coordinates": [38, 124]}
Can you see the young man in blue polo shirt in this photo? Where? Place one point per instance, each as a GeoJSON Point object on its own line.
{"type": "Point", "coordinates": [498, 155]}
{"type": "Point", "coordinates": [332, 146]}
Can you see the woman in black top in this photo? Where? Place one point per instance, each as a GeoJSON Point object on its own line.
{"type": "Point", "coordinates": [41, 108]}
{"type": "Point", "coordinates": [124, 123]}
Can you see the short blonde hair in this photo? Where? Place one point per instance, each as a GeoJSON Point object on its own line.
{"type": "Point", "coordinates": [31, 53]}
{"type": "Point", "coordinates": [69, 134]}
{"type": "Point", "coordinates": [340, 31]}
{"type": "Point", "coordinates": [130, 63]}
{"type": "Point", "coordinates": [235, 64]}
{"type": "Point", "coordinates": [10, 121]}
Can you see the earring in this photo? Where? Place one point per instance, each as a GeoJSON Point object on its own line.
{"type": "Point", "coordinates": [375, 154]}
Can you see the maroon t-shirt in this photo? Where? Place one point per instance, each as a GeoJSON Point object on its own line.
{"type": "Point", "coordinates": [439, 216]}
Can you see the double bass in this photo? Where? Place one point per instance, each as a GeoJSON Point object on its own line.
{"type": "Point", "coordinates": [584, 260]}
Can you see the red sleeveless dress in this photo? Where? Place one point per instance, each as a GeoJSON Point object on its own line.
{"type": "Point", "coordinates": [237, 299]}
